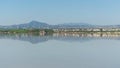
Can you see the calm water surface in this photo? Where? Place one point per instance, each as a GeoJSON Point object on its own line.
{"type": "Point", "coordinates": [59, 52]}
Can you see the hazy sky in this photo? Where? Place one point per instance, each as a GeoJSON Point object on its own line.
{"type": "Point", "coordinates": [60, 11]}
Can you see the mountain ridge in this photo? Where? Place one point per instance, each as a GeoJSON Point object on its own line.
{"type": "Point", "coordinates": [42, 25]}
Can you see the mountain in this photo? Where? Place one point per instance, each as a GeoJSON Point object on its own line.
{"type": "Point", "coordinates": [30, 25]}
{"type": "Point", "coordinates": [42, 25]}
{"type": "Point", "coordinates": [33, 24]}
{"type": "Point", "coordinates": [75, 25]}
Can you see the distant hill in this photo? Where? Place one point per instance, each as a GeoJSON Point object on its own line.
{"type": "Point", "coordinates": [30, 25]}
{"type": "Point", "coordinates": [74, 25]}
{"type": "Point", "coordinates": [42, 25]}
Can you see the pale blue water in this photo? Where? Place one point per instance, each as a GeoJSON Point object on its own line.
{"type": "Point", "coordinates": [59, 52]}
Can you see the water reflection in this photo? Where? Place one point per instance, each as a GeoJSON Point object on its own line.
{"type": "Point", "coordinates": [78, 37]}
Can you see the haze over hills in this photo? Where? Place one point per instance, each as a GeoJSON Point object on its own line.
{"type": "Point", "coordinates": [42, 25]}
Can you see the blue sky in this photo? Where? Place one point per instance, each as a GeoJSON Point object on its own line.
{"type": "Point", "coordinates": [100, 12]}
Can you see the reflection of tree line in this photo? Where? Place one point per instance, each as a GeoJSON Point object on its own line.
{"type": "Point", "coordinates": [95, 34]}
{"type": "Point", "coordinates": [80, 37]}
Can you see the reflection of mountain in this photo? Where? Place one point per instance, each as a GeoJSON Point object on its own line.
{"type": "Point", "coordinates": [61, 37]}
{"type": "Point", "coordinates": [29, 38]}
